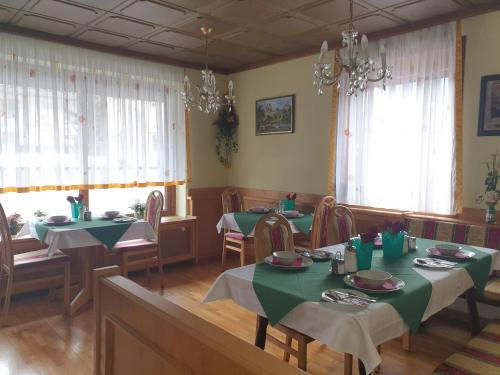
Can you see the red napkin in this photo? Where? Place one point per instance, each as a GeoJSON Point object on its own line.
{"type": "Point", "coordinates": [296, 263]}
{"type": "Point", "coordinates": [388, 285]}
{"type": "Point", "coordinates": [437, 252]}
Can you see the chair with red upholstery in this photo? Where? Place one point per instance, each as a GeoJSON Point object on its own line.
{"type": "Point", "coordinates": [233, 241]}
{"type": "Point", "coordinates": [44, 270]}
{"type": "Point", "coordinates": [143, 252]}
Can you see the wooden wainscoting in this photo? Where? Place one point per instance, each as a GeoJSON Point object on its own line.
{"type": "Point", "coordinates": [138, 332]}
{"type": "Point", "coordinates": [206, 205]}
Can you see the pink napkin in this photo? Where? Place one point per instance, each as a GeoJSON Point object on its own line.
{"type": "Point", "coordinates": [437, 252]}
{"type": "Point", "coordinates": [296, 263]}
{"type": "Point", "coordinates": [388, 285]}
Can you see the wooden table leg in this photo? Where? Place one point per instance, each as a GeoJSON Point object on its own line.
{"type": "Point", "coordinates": [473, 313]}
{"type": "Point", "coordinates": [85, 293]}
{"type": "Point", "coordinates": [260, 337]}
{"type": "Point", "coordinates": [347, 364]}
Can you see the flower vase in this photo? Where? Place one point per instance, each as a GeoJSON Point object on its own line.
{"type": "Point", "coordinates": [75, 210]}
{"type": "Point", "coordinates": [392, 244]}
{"type": "Point", "coordinates": [490, 214]}
{"type": "Point", "coordinates": [364, 253]}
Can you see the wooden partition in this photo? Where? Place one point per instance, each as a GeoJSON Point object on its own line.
{"type": "Point", "coordinates": [138, 332]}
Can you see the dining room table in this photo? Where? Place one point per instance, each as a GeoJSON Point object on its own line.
{"type": "Point", "coordinates": [83, 235]}
{"type": "Point", "coordinates": [294, 298]}
{"type": "Point", "coordinates": [244, 222]}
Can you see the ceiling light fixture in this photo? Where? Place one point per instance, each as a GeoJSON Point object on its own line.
{"type": "Point", "coordinates": [208, 95]}
{"type": "Point", "coordinates": [351, 60]}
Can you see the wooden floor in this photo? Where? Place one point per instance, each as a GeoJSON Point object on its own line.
{"type": "Point", "coordinates": [39, 340]}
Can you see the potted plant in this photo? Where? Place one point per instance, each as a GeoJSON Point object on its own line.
{"type": "Point", "coordinates": [226, 123]}
{"type": "Point", "coordinates": [491, 194]}
{"type": "Point", "coordinates": [139, 209]}
{"type": "Point", "coordinates": [15, 223]}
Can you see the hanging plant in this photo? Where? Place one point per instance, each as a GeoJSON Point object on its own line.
{"type": "Point", "coordinates": [227, 123]}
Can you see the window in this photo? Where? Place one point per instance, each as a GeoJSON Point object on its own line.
{"type": "Point", "coordinates": [395, 148]}
{"type": "Point", "coordinates": [101, 200]}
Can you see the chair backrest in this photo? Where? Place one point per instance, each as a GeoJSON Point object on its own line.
{"type": "Point", "coordinates": [6, 257]}
{"type": "Point", "coordinates": [344, 224]}
{"type": "Point", "coordinates": [272, 233]}
{"type": "Point", "coordinates": [231, 201]}
{"type": "Point", "coordinates": [154, 206]}
{"type": "Point", "coordinates": [321, 231]}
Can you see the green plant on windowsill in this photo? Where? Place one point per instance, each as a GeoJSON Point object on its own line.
{"type": "Point", "coordinates": [139, 209]}
{"type": "Point", "coordinates": [40, 215]}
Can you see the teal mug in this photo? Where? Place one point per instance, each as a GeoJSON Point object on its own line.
{"type": "Point", "coordinates": [392, 244]}
{"type": "Point", "coordinates": [364, 253]}
{"type": "Point", "coordinates": [288, 204]}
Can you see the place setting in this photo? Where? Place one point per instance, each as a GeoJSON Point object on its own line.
{"type": "Point", "coordinates": [117, 217]}
{"type": "Point", "coordinates": [450, 252]}
{"type": "Point", "coordinates": [374, 281]}
{"type": "Point", "coordinates": [288, 260]}
{"type": "Point", "coordinates": [315, 255]}
{"type": "Point", "coordinates": [58, 220]}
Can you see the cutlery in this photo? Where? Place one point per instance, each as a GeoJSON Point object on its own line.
{"type": "Point", "coordinates": [352, 301]}
{"type": "Point", "coordinates": [352, 295]}
{"type": "Point", "coordinates": [435, 262]}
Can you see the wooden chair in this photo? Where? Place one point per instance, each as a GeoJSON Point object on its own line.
{"type": "Point", "coordinates": [321, 231]}
{"type": "Point", "coordinates": [273, 233]}
{"type": "Point", "coordinates": [143, 252]}
{"type": "Point", "coordinates": [343, 223]}
{"type": "Point", "coordinates": [234, 241]}
{"type": "Point", "coordinates": [37, 263]}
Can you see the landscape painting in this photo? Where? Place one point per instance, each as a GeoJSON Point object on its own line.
{"type": "Point", "coordinates": [274, 115]}
{"type": "Point", "coordinates": [489, 107]}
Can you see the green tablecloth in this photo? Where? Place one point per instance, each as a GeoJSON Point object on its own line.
{"type": "Point", "coordinates": [247, 221]}
{"type": "Point", "coordinates": [280, 291]}
{"type": "Point", "coordinates": [105, 231]}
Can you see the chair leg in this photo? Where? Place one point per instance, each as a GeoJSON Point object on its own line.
{"type": "Point", "coordinates": [261, 332]}
{"type": "Point", "coordinates": [347, 364]}
{"type": "Point", "coordinates": [67, 286]}
{"type": "Point", "coordinates": [160, 272]}
{"type": "Point", "coordinates": [473, 313]}
{"type": "Point", "coordinates": [302, 349]}
{"type": "Point", "coordinates": [379, 350]}
{"type": "Point", "coordinates": [288, 343]}
{"type": "Point", "coordinates": [406, 341]}
{"type": "Point", "coordinates": [8, 294]}
{"type": "Point", "coordinates": [124, 265]}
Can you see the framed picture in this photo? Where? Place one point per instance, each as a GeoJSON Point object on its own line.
{"type": "Point", "coordinates": [274, 115]}
{"type": "Point", "coordinates": [489, 106]}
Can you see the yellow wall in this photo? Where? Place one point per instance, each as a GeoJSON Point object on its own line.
{"type": "Point", "coordinates": [289, 162]}
{"type": "Point", "coordinates": [482, 58]}
{"type": "Point", "coordinates": [206, 169]}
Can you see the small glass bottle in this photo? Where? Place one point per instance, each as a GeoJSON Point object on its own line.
{"type": "Point", "coordinates": [351, 263]}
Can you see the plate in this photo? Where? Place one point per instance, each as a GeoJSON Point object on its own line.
{"type": "Point", "coordinates": [259, 210]}
{"type": "Point", "coordinates": [399, 284]}
{"type": "Point", "coordinates": [65, 222]}
{"type": "Point", "coordinates": [291, 216]}
{"type": "Point", "coordinates": [124, 219]}
{"type": "Point", "coordinates": [104, 217]}
{"type": "Point", "coordinates": [466, 255]}
{"type": "Point", "coordinates": [306, 262]}
{"type": "Point", "coordinates": [316, 255]}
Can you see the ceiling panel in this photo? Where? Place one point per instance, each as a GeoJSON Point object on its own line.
{"type": "Point", "coordinates": [65, 11]}
{"type": "Point", "coordinates": [153, 48]}
{"type": "Point", "coordinates": [177, 39]}
{"type": "Point", "coordinates": [287, 25]}
{"type": "Point", "coordinates": [244, 12]}
{"type": "Point", "coordinates": [244, 31]}
{"type": "Point", "coordinates": [104, 37]}
{"type": "Point", "coordinates": [154, 11]}
{"type": "Point", "coordinates": [48, 25]}
{"type": "Point", "coordinates": [416, 10]}
{"type": "Point", "coordinates": [334, 11]}
{"type": "Point", "coordinates": [125, 26]}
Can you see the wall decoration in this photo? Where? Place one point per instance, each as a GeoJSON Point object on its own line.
{"type": "Point", "coordinates": [226, 144]}
{"type": "Point", "coordinates": [274, 115]}
{"type": "Point", "coordinates": [489, 106]}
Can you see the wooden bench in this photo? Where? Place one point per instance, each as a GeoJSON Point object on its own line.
{"type": "Point", "coordinates": [138, 332]}
{"type": "Point", "coordinates": [480, 356]}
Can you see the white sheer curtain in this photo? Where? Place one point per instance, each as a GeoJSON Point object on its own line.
{"type": "Point", "coordinates": [395, 148]}
{"type": "Point", "coordinates": [75, 118]}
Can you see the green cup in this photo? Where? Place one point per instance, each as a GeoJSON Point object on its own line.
{"type": "Point", "coordinates": [288, 204]}
{"type": "Point", "coordinates": [364, 253]}
{"type": "Point", "coordinates": [392, 244]}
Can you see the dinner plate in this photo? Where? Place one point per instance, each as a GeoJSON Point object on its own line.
{"type": "Point", "coordinates": [260, 210]}
{"type": "Point", "coordinates": [398, 283]}
{"type": "Point", "coordinates": [315, 255]}
{"type": "Point", "coordinates": [65, 222]}
{"type": "Point", "coordinates": [104, 217]}
{"type": "Point", "coordinates": [292, 216]}
{"type": "Point", "coordinates": [434, 253]}
{"type": "Point", "coordinates": [306, 262]}
{"type": "Point", "coordinates": [124, 219]}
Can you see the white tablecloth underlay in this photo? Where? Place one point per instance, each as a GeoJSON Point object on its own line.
{"type": "Point", "coordinates": [339, 326]}
{"type": "Point", "coordinates": [66, 237]}
{"type": "Point", "coordinates": [227, 221]}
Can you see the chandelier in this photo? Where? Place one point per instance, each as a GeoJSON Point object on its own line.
{"type": "Point", "coordinates": [208, 95]}
{"type": "Point", "coordinates": [352, 60]}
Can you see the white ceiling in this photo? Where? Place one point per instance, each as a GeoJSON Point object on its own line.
{"type": "Point", "coordinates": [245, 31]}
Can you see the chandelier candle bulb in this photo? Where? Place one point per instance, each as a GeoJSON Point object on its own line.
{"type": "Point", "coordinates": [383, 56]}
{"type": "Point", "coordinates": [364, 46]}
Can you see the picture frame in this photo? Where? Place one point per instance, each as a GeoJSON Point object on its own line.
{"type": "Point", "coordinates": [275, 115]}
{"type": "Point", "coordinates": [489, 106]}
